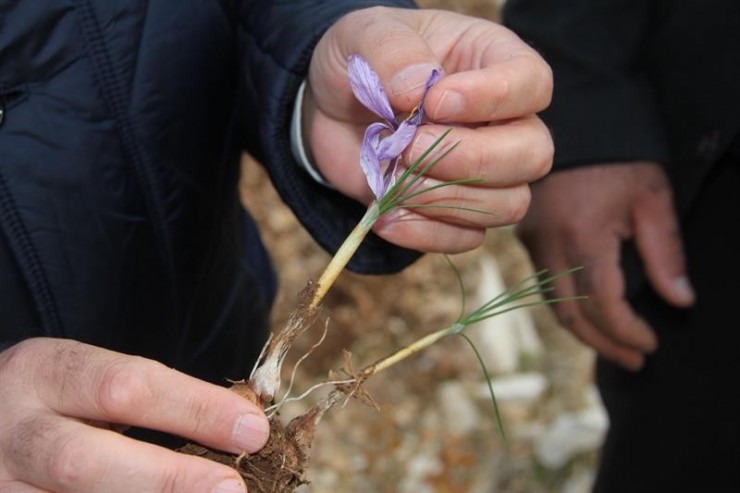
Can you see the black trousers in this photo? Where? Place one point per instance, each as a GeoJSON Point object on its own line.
{"type": "Point", "coordinates": [674, 425]}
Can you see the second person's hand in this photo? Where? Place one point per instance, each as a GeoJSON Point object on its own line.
{"type": "Point", "coordinates": [581, 217]}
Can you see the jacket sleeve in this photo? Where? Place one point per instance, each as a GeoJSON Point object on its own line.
{"type": "Point", "coordinates": [602, 109]}
{"type": "Point", "coordinates": [276, 40]}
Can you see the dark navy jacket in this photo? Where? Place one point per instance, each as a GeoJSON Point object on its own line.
{"type": "Point", "coordinates": [123, 123]}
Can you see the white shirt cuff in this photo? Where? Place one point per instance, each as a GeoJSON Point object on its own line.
{"type": "Point", "coordinates": [296, 139]}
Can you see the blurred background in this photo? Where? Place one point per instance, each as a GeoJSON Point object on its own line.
{"type": "Point", "coordinates": [435, 430]}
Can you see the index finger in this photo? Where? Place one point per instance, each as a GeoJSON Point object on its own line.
{"type": "Point", "coordinates": [606, 307]}
{"type": "Point", "coordinates": [64, 456]}
{"type": "Point", "coordinates": [570, 312]}
{"type": "Point", "coordinates": [512, 81]}
{"type": "Point", "coordinates": [92, 383]}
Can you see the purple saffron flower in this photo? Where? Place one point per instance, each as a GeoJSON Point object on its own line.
{"type": "Point", "coordinates": [377, 145]}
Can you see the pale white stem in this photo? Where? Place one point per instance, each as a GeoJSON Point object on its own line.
{"type": "Point", "coordinates": [344, 254]}
{"type": "Point", "coordinates": [407, 351]}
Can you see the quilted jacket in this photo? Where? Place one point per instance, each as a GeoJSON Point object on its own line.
{"type": "Point", "coordinates": [122, 124]}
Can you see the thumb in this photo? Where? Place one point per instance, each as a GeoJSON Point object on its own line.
{"type": "Point", "coordinates": [394, 49]}
{"type": "Point", "coordinates": [405, 86]}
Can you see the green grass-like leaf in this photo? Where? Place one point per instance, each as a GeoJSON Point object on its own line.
{"type": "Point", "coordinates": [399, 192]}
{"type": "Point", "coordinates": [525, 288]}
{"type": "Point", "coordinates": [460, 286]}
{"type": "Point", "coordinates": [504, 302]}
{"type": "Point", "coordinates": [487, 376]}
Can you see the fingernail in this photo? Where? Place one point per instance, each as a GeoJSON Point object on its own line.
{"type": "Point", "coordinates": [684, 290]}
{"type": "Point", "coordinates": [450, 105]}
{"type": "Point", "coordinates": [251, 432]}
{"type": "Point", "coordinates": [230, 486]}
{"type": "Point", "coordinates": [411, 78]}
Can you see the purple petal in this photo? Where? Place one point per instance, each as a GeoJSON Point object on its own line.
{"type": "Point", "coordinates": [418, 116]}
{"type": "Point", "coordinates": [393, 145]}
{"type": "Point", "coordinates": [389, 177]}
{"type": "Point", "coordinates": [367, 88]}
{"type": "Point", "coordinates": [369, 159]}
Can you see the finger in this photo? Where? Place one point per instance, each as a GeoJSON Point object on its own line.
{"type": "Point", "coordinates": [63, 455]}
{"type": "Point", "coordinates": [409, 229]}
{"type": "Point", "coordinates": [491, 73]}
{"type": "Point", "coordinates": [570, 315]}
{"type": "Point", "coordinates": [516, 87]}
{"type": "Point", "coordinates": [18, 487]}
{"type": "Point", "coordinates": [602, 281]}
{"type": "Point", "coordinates": [509, 78]}
{"type": "Point", "coordinates": [570, 311]}
{"type": "Point", "coordinates": [106, 386]}
{"type": "Point", "coordinates": [395, 50]}
{"type": "Point", "coordinates": [468, 206]}
{"type": "Point", "coordinates": [658, 240]}
{"type": "Point", "coordinates": [520, 151]}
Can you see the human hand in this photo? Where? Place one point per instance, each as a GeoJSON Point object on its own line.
{"type": "Point", "coordinates": [58, 399]}
{"type": "Point", "coordinates": [580, 217]}
{"type": "Point", "coordinates": [493, 85]}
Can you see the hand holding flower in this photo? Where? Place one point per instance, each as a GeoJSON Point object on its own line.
{"type": "Point", "coordinates": [492, 87]}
